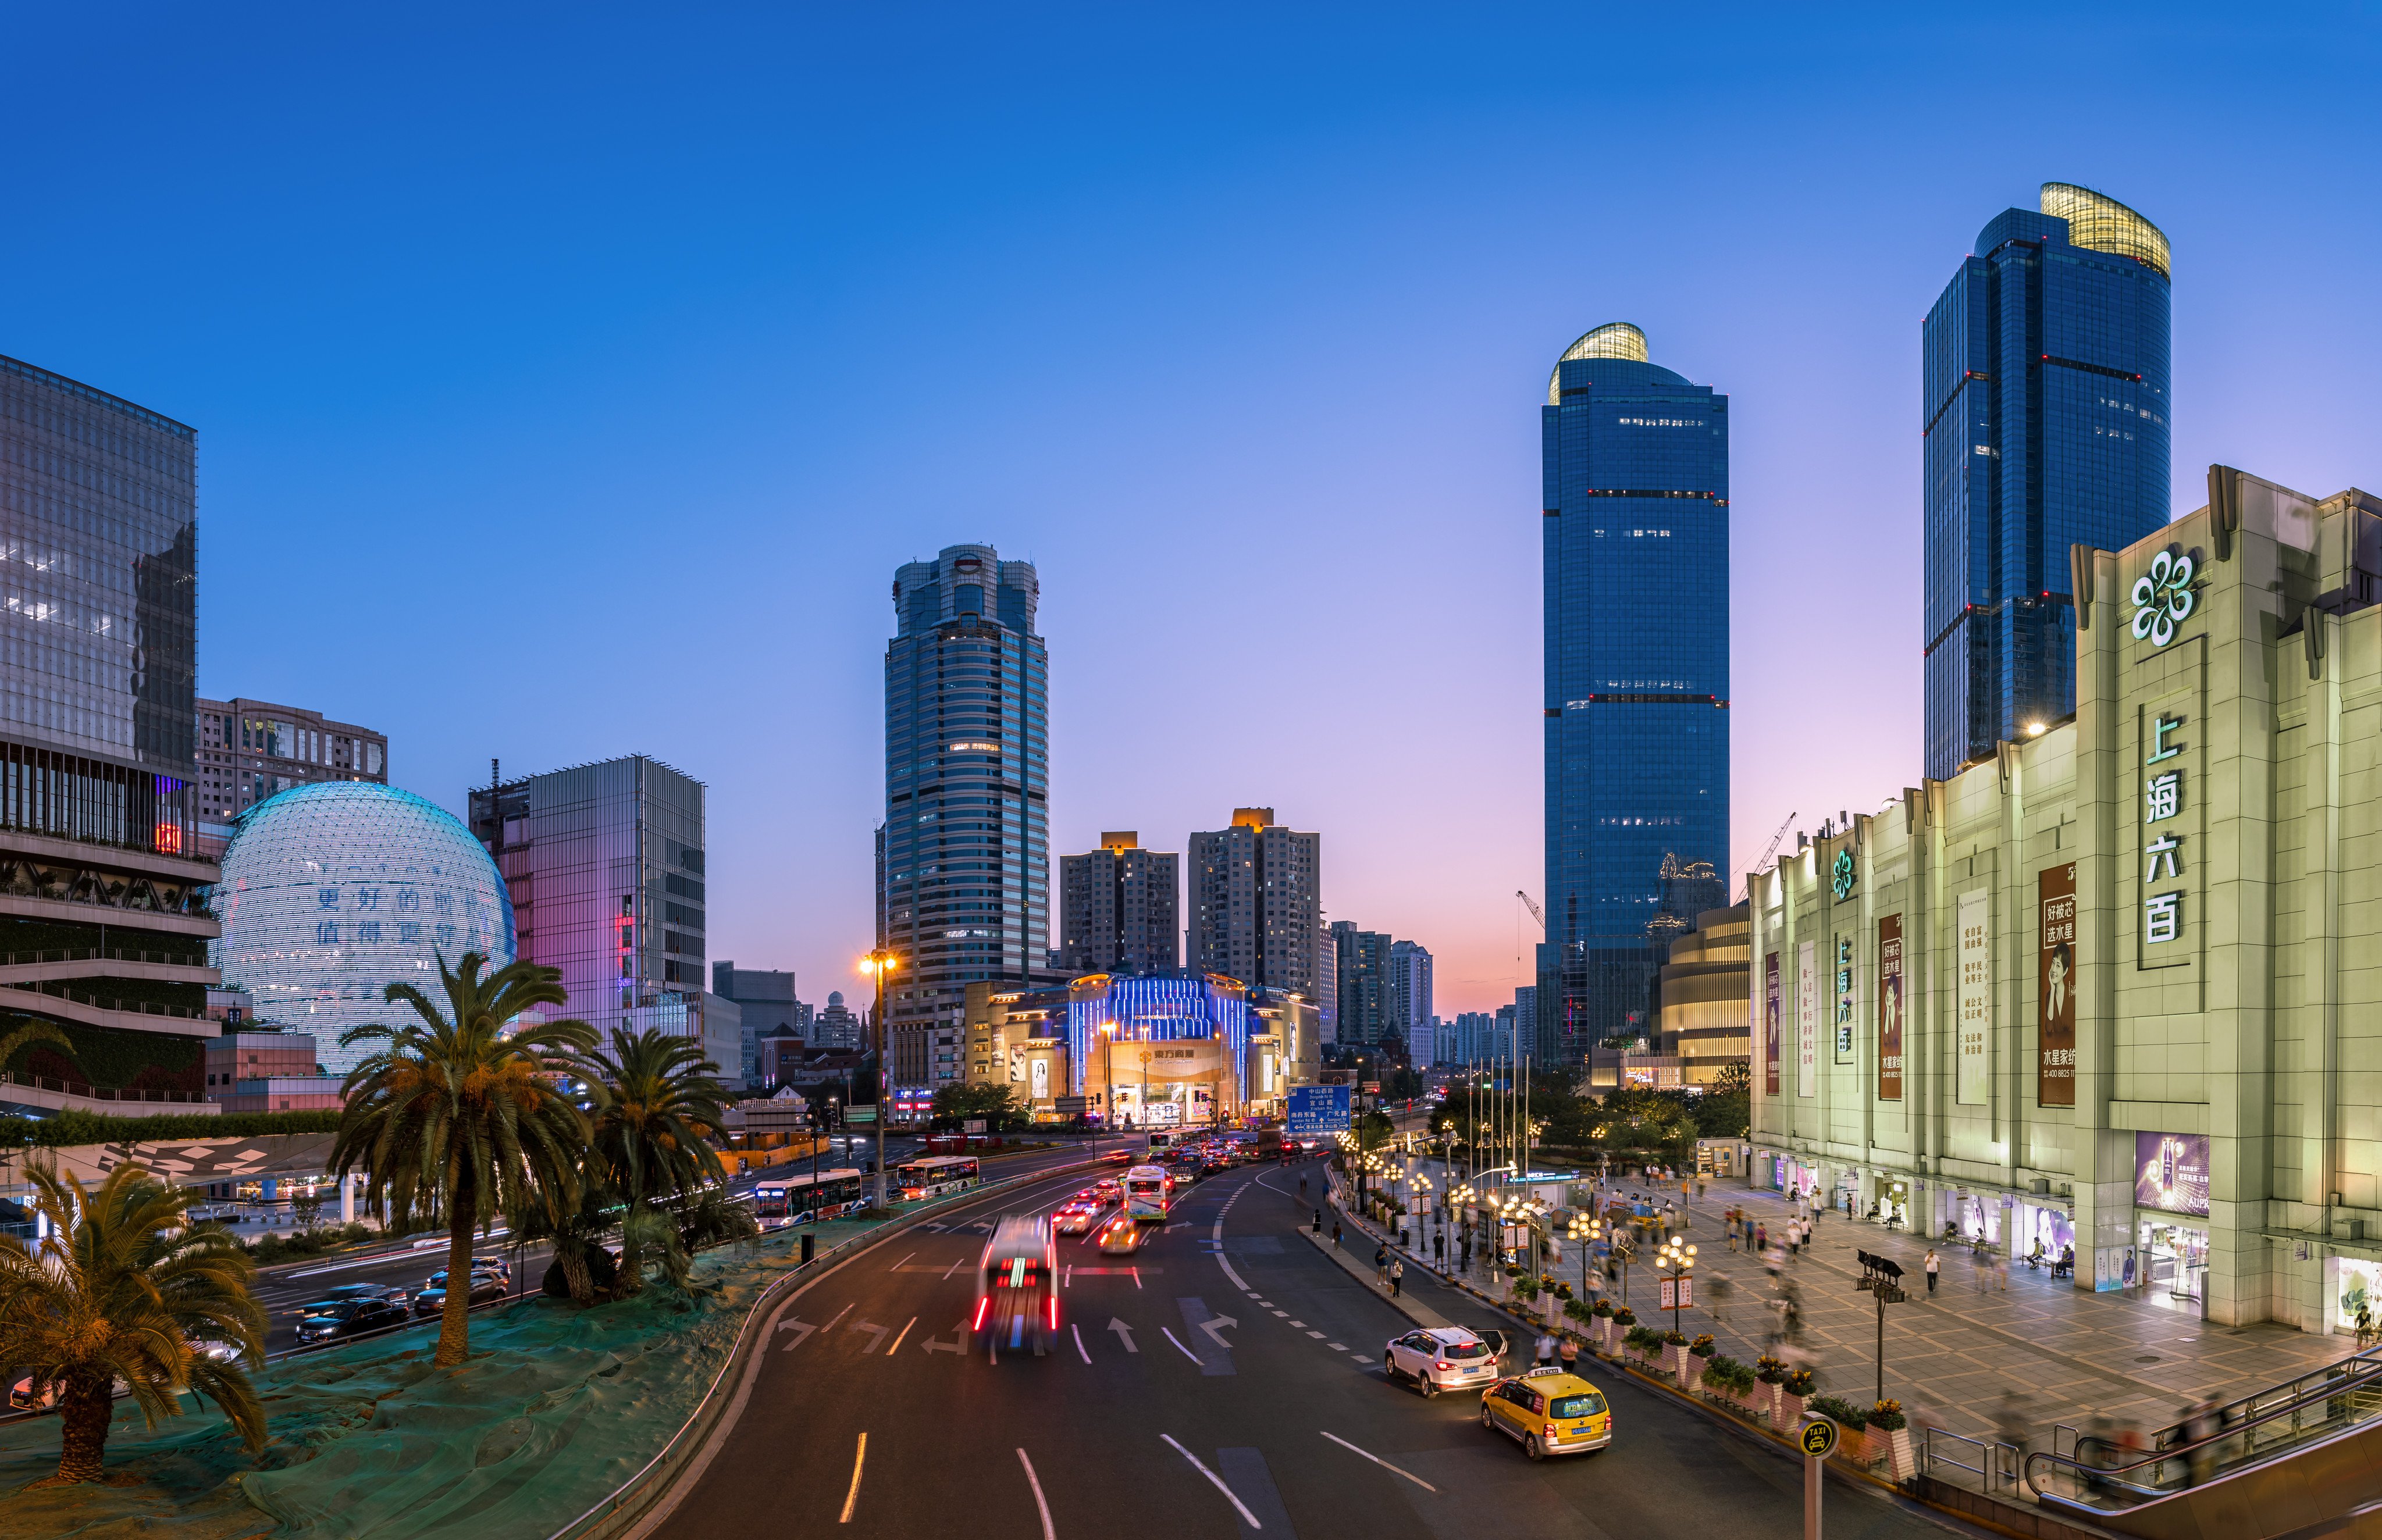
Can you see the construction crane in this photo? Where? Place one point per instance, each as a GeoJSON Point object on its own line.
{"type": "Point", "coordinates": [1535, 912]}
{"type": "Point", "coordinates": [1776, 840]}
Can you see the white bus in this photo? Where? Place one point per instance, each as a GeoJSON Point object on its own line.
{"type": "Point", "coordinates": [806, 1199]}
{"type": "Point", "coordinates": [935, 1176]}
{"type": "Point", "coordinates": [1147, 1190]}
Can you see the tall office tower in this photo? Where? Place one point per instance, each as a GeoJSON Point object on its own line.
{"type": "Point", "coordinates": [766, 1007]}
{"type": "Point", "coordinates": [963, 874]}
{"type": "Point", "coordinates": [98, 661]}
{"type": "Point", "coordinates": [1327, 986]}
{"type": "Point", "coordinates": [249, 750]}
{"type": "Point", "coordinates": [1117, 911]}
{"type": "Point", "coordinates": [1256, 898]}
{"type": "Point", "coordinates": [1636, 572]}
{"type": "Point", "coordinates": [1469, 1039]}
{"type": "Point", "coordinates": [1410, 996]}
{"type": "Point", "coordinates": [604, 863]}
{"type": "Point", "coordinates": [2044, 407]}
{"type": "Point", "coordinates": [1499, 1043]}
{"type": "Point", "coordinates": [836, 1026]}
{"type": "Point", "coordinates": [1363, 967]}
{"type": "Point", "coordinates": [1522, 1025]}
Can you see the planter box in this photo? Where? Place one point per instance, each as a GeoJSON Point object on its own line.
{"type": "Point", "coordinates": [1788, 1415]}
{"type": "Point", "coordinates": [1686, 1365]}
{"type": "Point", "coordinates": [1902, 1463]}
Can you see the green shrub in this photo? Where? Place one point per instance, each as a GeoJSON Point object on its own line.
{"type": "Point", "coordinates": [1701, 1347]}
{"type": "Point", "coordinates": [1644, 1340]}
{"type": "Point", "coordinates": [76, 1127]}
{"type": "Point", "coordinates": [1800, 1383]}
{"type": "Point", "coordinates": [1887, 1414]}
{"type": "Point", "coordinates": [1839, 1411]}
{"type": "Point", "coordinates": [1769, 1371]}
{"type": "Point", "coordinates": [1575, 1310]}
{"type": "Point", "coordinates": [1604, 1308]}
{"type": "Point", "coordinates": [1723, 1373]}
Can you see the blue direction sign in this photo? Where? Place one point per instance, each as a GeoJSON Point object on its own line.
{"type": "Point", "coordinates": [1316, 1111]}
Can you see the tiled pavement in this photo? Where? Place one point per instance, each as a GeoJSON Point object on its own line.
{"type": "Point", "coordinates": [2069, 1354]}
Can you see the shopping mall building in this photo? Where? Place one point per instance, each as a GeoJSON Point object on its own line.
{"type": "Point", "coordinates": [2120, 985]}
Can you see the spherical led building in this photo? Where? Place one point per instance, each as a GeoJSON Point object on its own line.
{"type": "Point", "coordinates": [332, 892]}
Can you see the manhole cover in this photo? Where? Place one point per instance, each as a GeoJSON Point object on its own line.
{"type": "Point", "coordinates": [2147, 1357]}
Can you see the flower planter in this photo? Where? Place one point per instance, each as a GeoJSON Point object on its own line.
{"type": "Point", "coordinates": [1763, 1402]}
{"type": "Point", "coordinates": [1902, 1463]}
{"type": "Point", "coordinates": [1788, 1414]}
{"type": "Point", "coordinates": [1686, 1365]}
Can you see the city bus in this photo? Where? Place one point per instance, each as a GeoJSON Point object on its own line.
{"type": "Point", "coordinates": [1147, 1189]}
{"type": "Point", "coordinates": [1017, 1287]}
{"type": "Point", "coordinates": [806, 1199]}
{"type": "Point", "coordinates": [935, 1176]}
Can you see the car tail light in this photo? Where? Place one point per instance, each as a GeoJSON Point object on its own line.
{"type": "Point", "coordinates": [1054, 1313]}
{"type": "Point", "coordinates": [982, 1306]}
{"type": "Point", "coordinates": [1441, 1363]}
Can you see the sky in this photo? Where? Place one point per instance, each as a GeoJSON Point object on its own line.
{"type": "Point", "coordinates": [570, 381]}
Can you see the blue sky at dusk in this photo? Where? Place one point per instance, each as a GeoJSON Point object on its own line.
{"type": "Point", "coordinates": [570, 382]}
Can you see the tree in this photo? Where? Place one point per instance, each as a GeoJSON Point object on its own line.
{"type": "Point", "coordinates": [657, 1107]}
{"type": "Point", "coordinates": [452, 1115]}
{"type": "Point", "coordinates": [1725, 1109]}
{"type": "Point", "coordinates": [125, 1288]}
{"type": "Point", "coordinates": [996, 1104]}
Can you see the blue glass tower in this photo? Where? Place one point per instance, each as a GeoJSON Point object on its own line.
{"type": "Point", "coordinates": [1635, 542]}
{"type": "Point", "coordinates": [2045, 414]}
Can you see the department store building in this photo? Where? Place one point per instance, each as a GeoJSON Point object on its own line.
{"type": "Point", "coordinates": [2118, 986]}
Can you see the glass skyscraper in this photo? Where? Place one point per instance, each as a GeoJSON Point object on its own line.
{"type": "Point", "coordinates": [964, 859]}
{"type": "Point", "coordinates": [1635, 542]}
{"type": "Point", "coordinates": [2044, 407]}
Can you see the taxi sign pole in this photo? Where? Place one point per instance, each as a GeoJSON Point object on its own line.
{"type": "Point", "coordinates": [1817, 1439]}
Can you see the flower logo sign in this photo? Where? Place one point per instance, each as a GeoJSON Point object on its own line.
{"type": "Point", "coordinates": [2163, 596]}
{"type": "Point", "coordinates": [1842, 875]}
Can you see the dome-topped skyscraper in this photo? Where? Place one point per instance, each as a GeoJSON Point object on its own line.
{"type": "Point", "coordinates": [332, 892]}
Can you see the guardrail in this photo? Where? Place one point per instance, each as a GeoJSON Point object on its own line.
{"type": "Point", "coordinates": [101, 954]}
{"type": "Point", "coordinates": [629, 1501]}
{"type": "Point", "coordinates": [97, 1093]}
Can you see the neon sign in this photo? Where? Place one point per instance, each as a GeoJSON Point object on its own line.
{"type": "Point", "coordinates": [1843, 874]}
{"type": "Point", "coordinates": [2163, 597]}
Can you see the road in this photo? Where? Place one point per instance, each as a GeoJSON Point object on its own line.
{"type": "Point", "coordinates": [1227, 1380]}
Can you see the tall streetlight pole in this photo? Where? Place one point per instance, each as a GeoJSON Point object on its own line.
{"type": "Point", "coordinates": [879, 962]}
{"type": "Point", "coordinates": [1108, 1095]}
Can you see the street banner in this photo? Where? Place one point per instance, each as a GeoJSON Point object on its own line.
{"type": "Point", "coordinates": [1889, 1009]}
{"type": "Point", "coordinates": [1807, 1020]}
{"type": "Point", "coordinates": [1770, 1025]}
{"type": "Point", "coordinates": [2055, 1032]}
{"type": "Point", "coordinates": [1976, 997]}
{"type": "Point", "coordinates": [1671, 1295]}
{"type": "Point", "coordinates": [1316, 1111]}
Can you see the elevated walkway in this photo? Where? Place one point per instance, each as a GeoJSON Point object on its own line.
{"type": "Point", "coordinates": [2297, 1460]}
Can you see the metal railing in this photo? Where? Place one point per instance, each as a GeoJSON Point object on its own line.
{"type": "Point", "coordinates": [98, 1092]}
{"type": "Point", "coordinates": [1998, 1461]}
{"type": "Point", "coordinates": [101, 954]}
{"type": "Point", "coordinates": [135, 1008]}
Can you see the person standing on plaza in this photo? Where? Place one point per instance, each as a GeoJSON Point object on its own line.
{"type": "Point", "coordinates": [1397, 1277]}
{"type": "Point", "coordinates": [1570, 1351]}
{"type": "Point", "coordinates": [1933, 1267]}
{"type": "Point", "coordinates": [1546, 1350]}
{"type": "Point", "coordinates": [1381, 1264]}
{"type": "Point", "coordinates": [1335, 1235]}
{"type": "Point", "coordinates": [1761, 1238]}
{"type": "Point", "coordinates": [1438, 1249]}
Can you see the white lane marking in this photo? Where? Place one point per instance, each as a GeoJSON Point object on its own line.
{"type": "Point", "coordinates": [1284, 1314]}
{"type": "Point", "coordinates": [838, 1315]}
{"type": "Point", "coordinates": [1178, 1342]}
{"type": "Point", "coordinates": [852, 1498]}
{"type": "Point", "coordinates": [1239, 1282]}
{"type": "Point", "coordinates": [1067, 1275]}
{"type": "Point", "coordinates": [897, 1341]}
{"type": "Point", "coordinates": [1317, 1335]}
{"type": "Point", "coordinates": [1137, 1278]}
{"type": "Point", "coordinates": [1301, 1324]}
{"type": "Point", "coordinates": [953, 1268]}
{"type": "Point", "coordinates": [1077, 1328]}
{"type": "Point", "coordinates": [897, 1266]}
{"type": "Point", "coordinates": [1246, 1517]}
{"type": "Point", "coordinates": [1041, 1505]}
{"type": "Point", "coordinates": [1378, 1460]}
{"type": "Point", "coordinates": [1340, 1347]}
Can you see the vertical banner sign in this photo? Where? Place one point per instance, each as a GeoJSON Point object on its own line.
{"type": "Point", "coordinates": [1807, 1020]}
{"type": "Point", "coordinates": [1770, 1025]}
{"type": "Point", "coordinates": [1976, 997]}
{"type": "Point", "coordinates": [2055, 1072]}
{"type": "Point", "coordinates": [1889, 1009]}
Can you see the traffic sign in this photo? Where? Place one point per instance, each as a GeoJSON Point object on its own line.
{"type": "Point", "coordinates": [1818, 1438]}
{"type": "Point", "coordinates": [1316, 1111]}
{"type": "Point", "coordinates": [860, 1115]}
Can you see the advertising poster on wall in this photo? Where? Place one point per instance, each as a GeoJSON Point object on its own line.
{"type": "Point", "coordinates": [1889, 1009]}
{"type": "Point", "coordinates": [1041, 1079]}
{"type": "Point", "coordinates": [2172, 1172]}
{"type": "Point", "coordinates": [1975, 1001]}
{"type": "Point", "coordinates": [1807, 1020]}
{"type": "Point", "coordinates": [1770, 1025]}
{"type": "Point", "coordinates": [2055, 1030]}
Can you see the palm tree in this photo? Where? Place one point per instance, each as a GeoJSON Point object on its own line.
{"type": "Point", "coordinates": [454, 1116]}
{"type": "Point", "coordinates": [657, 1111]}
{"type": "Point", "coordinates": [125, 1288]}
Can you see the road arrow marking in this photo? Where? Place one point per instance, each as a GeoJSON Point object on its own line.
{"type": "Point", "coordinates": [1123, 1331]}
{"type": "Point", "coordinates": [956, 1345]}
{"type": "Point", "coordinates": [875, 1331]}
{"type": "Point", "coordinates": [803, 1328]}
{"type": "Point", "coordinates": [1215, 1332]}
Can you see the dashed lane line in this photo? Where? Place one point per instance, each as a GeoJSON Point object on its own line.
{"type": "Point", "coordinates": [1378, 1460]}
{"type": "Point", "coordinates": [1178, 1342]}
{"type": "Point", "coordinates": [851, 1496]}
{"type": "Point", "coordinates": [1042, 1505]}
{"type": "Point", "coordinates": [1217, 1482]}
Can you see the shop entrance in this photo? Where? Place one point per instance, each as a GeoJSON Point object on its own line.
{"type": "Point", "coordinates": [2175, 1263]}
{"type": "Point", "coordinates": [2036, 1228]}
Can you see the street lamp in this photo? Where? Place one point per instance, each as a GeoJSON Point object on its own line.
{"type": "Point", "coordinates": [1108, 1097]}
{"type": "Point", "coordinates": [878, 963]}
{"type": "Point", "coordinates": [1678, 1259]}
{"type": "Point", "coordinates": [1581, 1230]}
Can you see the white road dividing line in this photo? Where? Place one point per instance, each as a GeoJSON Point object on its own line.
{"type": "Point", "coordinates": [896, 1267]}
{"type": "Point", "coordinates": [953, 1268]}
{"type": "Point", "coordinates": [1378, 1460]}
{"type": "Point", "coordinates": [897, 1341]}
{"type": "Point", "coordinates": [1137, 1278]}
{"type": "Point", "coordinates": [838, 1315]}
{"type": "Point", "coordinates": [1041, 1505]}
{"type": "Point", "coordinates": [1178, 1342]}
{"type": "Point", "coordinates": [1246, 1517]}
{"type": "Point", "coordinates": [851, 1498]}
{"type": "Point", "coordinates": [1078, 1331]}
{"type": "Point", "coordinates": [1239, 1282]}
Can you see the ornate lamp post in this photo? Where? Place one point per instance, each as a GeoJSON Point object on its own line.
{"type": "Point", "coordinates": [879, 963]}
{"type": "Point", "coordinates": [1677, 1259]}
{"type": "Point", "coordinates": [1108, 1056]}
{"type": "Point", "coordinates": [1581, 1230]}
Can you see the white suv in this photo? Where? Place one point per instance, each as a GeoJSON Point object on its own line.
{"type": "Point", "coordinates": [1441, 1358]}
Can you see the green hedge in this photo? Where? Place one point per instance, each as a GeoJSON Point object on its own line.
{"type": "Point", "coordinates": [51, 936]}
{"type": "Point", "coordinates": [103, 1057]}
{"type": "Point", "coordinates": [87, 1128]}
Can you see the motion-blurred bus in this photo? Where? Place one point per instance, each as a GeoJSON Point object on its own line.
{"type": "Point", "coordinates": [806, 1199]}
{"type": "Point", "coordinates": [1146, 1191]}
{"type": "Point", "coordinates": [1017, 1287]}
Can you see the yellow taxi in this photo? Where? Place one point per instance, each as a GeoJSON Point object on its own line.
{"type": "Point", "coordinates": [1548, 1412]}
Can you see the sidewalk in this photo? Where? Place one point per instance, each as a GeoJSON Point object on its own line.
{"type": "Point", "coordinates": [2068, 1354]}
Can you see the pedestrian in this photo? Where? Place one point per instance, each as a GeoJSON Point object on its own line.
{"type": "Point", "coordinates": [1439, 1248]}
{"type": "Point", "coordinates": [1761, 1238]}
{"type": "Point", "coordinates": [1318, 1222]}
{"type": "Point", "coordinates": [1933, 1267]}
{"type": "Point", "coordinates": [1397, 1277]}
{"type": "Point", "coordinates": [1546, 1350]}
{"type": "Point", "coordinates": [1464, 1253]}
{"type": "Point", "coordinates": [1570, 1353]}
{"type": "Point", "coordinates": [1380, 1265]}
{"type": "Point", "coordinates": [1336, 1234]}
{"type": "Point", "coordinates": [1302, 1186]}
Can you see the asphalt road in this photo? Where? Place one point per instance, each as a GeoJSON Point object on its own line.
{"type": "Point", "coordinates": [1202, 1388]}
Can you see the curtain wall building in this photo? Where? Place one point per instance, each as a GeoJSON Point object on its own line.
{"type": "Point", "coordinates": [2044, 414]}
{"type": "Point", "coordinates": [1635, 570]}
{"type": "Point", "coordinates": [963, 864]}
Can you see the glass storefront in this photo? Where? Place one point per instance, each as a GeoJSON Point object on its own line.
{"type": "Point", "coordinates": [2033, 1225]}
{"type": "Point", "coordinates": [2355, 1285]}
{"type": "Point", "coordinates": [2172, 1264]}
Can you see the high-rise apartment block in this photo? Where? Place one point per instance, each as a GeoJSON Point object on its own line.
{"type": "Point", "coordinates": [99, 855]}
{"type": "Point", "coordinates": [766, 1007]}
{"type": "Point", "coordinates": [1635, 529]}
{"type": "Point", "coordinates": [1327, 986]}
{"type": "Point", "coordinates": [963, 872]}
{"type": "Point", "coordinates": [249, 750]}
{"type": "Point", "coordinates": [1363, 971]}
{"type": "Point", "coordinates": [1118, 909]}
{"type": "Point", "coordinates": [2044, 409]}
{"type": "Point", "coordinates": [604, 863]}
{"type": "Point", "coordinates": [1256, 902]}
{"type": "Point", "coordinates": [1410, 1016]}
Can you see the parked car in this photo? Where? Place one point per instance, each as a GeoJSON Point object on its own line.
{"type": "Point", "coordinates": [349, 1318]}
{"type": "Point", "coordinates": [1441, 1358]}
